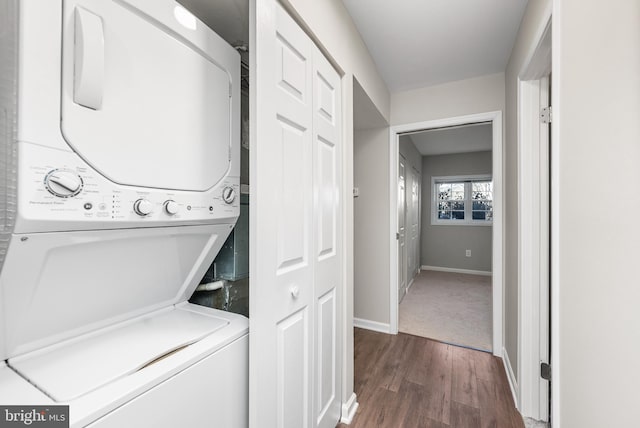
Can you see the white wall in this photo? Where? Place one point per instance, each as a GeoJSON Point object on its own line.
{"type": "Point", "coordinates": [371, 225]}
{"type": "Point", "coordinates": [533, 18]}
{"type": "Point", "coordinates": [596, 160]}
{"type": "Point", "coordinates": [464, 97]}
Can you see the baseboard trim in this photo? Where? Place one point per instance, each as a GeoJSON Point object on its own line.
{"type": "Point", "coordinates": [513, 384]}
{"type": "Point", "coordinates": [349, 409]}
{"type": "Point", "coordinates": [456, 270]}
{"type": "Point", "coordinates": [372, 325]}
{"type": "Point", "coordinates": [410, 284]}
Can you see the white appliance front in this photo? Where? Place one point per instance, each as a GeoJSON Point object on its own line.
{"type": "Point", "coordinates": [161, 147]}
{"type": "Point", "coordinates": [181, 366]}
{"type": "Point", "coordinates": [143, 104]}
{"type": "Point", "coordinates": [57, 286]}
{"type": "Point", "coordinates": [122, 158]}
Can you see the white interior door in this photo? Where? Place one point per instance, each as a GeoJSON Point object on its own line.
{"type": "Point", "coordinates": [327, 254]}
{"type": "Point", "coordinates": [408, 222]}
{"type": "Point", "coordinates": [402, 266]}
{"type": "Point", "coordinates": [295, 224]}
{"type": "Point", "coordinates": [415, 222]}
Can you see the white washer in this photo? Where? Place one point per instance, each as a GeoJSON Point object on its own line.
{"type": "Point", "coordinates": [120, 155]}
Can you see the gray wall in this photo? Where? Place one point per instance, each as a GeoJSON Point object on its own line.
{"type": "Point", "coordinates": [371, 225]}
{"type": "Point", "coordinates": [444, 246]}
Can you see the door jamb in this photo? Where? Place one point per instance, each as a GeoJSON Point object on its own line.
{"type": "Point", "coordinates": [495, 117]}
{"type": "Point", "coordinates": [533, 256]}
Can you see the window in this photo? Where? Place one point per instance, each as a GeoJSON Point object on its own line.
{"type": "Point", "coordinates": [464, 200]}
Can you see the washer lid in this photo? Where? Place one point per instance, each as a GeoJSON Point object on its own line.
{"type": "Point", "coordinates": [146, 94]}
{"type": "Point", "coordinates": [72, 370]}
{"type": "Point", "coordinates": [58, 286]}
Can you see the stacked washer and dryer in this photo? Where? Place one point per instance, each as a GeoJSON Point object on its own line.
{"type": "Point", "coordinates": [120, 175]}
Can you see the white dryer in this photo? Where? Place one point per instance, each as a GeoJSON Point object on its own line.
{"type": "Point", "coordinates": [119, 144]}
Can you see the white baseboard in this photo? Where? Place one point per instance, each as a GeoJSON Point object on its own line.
{"type": "Point", "coordinates": [513, 384]}
{"type": "Point", "coordinates": [455, 270]}
{"type": "Point", "coordinates": [349, 409]}
{"type": "Point", "coordinates": [410, 284]}
{"type": "Point", "coordinates": [372, 325]}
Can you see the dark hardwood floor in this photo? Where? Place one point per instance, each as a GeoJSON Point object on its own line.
{"type": "Point", "coordinates": [412, 382]}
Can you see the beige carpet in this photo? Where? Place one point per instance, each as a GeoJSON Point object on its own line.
{"type": "Point", "coordinates": [450, 307]}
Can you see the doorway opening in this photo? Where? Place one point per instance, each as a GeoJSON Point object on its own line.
{"type": "Point", "coordinates": [494, 120]}
{"type": "Point", "coordinates": [445, 220]}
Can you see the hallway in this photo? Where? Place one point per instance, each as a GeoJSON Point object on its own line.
{"type": "Point", "coordinates": [411, 382]}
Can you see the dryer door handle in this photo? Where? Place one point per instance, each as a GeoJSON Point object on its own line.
{"type": "Point", "coordinates": [88, 85]}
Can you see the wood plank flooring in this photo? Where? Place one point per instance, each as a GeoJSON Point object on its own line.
{"type": "Point", "coordinates": [408, 381]}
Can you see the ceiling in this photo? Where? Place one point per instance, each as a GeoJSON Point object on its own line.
{"type": "Point", "coordinates": [417, 43]}
{"type": "Point", "coordinates": [475, 137]}
{"type": "Point", "coordinates": [414, 43]}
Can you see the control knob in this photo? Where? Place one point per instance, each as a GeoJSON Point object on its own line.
{"type": "Point", "coordinates": [63, 183]}
{"type": "Point", "coordinates": [171, 207]}
{"type": "Point", "coordinates": [228, 195]}
{"type": "Point", "coordinates": [143, 207]}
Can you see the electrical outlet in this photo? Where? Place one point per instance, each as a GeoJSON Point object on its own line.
{"type": "Point", "coordinates": [467, 253]}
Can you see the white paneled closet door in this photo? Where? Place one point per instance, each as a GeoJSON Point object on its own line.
{"type": "Point", "coordinates": [327, 167]}
{"type": "Point", "coordinates": [296, 228]}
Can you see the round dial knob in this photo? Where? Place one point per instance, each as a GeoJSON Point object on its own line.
{"type": "Point", "coordinates": [143, 207]}
{"type": "Point", "coordinates": [171, 207]}
{"type": "Point", "coordinates": [228, 195]}
{"type": "Point", "coordinates": [63, 183]}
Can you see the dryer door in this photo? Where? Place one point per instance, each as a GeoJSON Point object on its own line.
{"type": "Point", "coordinates": [146, 93]}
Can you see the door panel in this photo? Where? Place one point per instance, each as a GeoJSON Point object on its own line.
{"type": "Point", "coordinates": [328, 220]}
{"type": "Point", "coordinates": [409, 225]}
{"type": "Point", "coordinates": [281, 230]}
{"type": "Point", "coordinates": [293, 184]}
{"type": "Point", "coordinates": [402, 264]}
{"type": "Point", "coordinates": [327, 198]}
{"type": "Point", "coordinates": [293, 371]}
{"type": "Point", "coordinates": [326, 359]}
{"type": "Point", "coordinates": [415, 222]}
{"type": "Point", "coordinates": [296, 228]}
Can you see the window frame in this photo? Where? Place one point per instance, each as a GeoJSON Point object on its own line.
{"type": "Point", "coordinates": [468, 206]}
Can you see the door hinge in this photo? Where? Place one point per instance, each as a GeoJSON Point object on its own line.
{"type": "Point", "coordinates": [545, 371]}
{"type": "Point", "coordinates": [546, 115]}
{"type": "Point", "coordinates": [397, 236]}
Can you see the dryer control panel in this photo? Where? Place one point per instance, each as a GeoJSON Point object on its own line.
{"type": "Point", "coordinates": [59, 191]}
